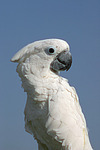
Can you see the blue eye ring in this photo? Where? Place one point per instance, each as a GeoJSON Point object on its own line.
{"type": "Point", "coordinates": [51, 50]}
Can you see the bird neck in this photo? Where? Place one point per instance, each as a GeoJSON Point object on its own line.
{"type": "Point", "coordinates": [33, 77]}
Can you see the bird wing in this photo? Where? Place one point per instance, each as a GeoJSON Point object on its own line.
{"type": "Point", "coordinates": [66, 122]}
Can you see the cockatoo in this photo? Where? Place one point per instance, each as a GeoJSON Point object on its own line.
{"type": "Point", "coordinates": [52, 113]}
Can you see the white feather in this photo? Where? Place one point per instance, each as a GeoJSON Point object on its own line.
{"type": "Point", "coordinates": [52, 113]}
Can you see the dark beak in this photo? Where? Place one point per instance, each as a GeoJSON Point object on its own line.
{"type": "Point", "coordinates": [62, 61]}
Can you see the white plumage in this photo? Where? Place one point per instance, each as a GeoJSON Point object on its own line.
{"type": "Point", "coordinates": [52, 114]}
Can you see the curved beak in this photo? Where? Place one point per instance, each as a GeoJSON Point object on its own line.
{"type": "Point", "coordinates": [62, 61]}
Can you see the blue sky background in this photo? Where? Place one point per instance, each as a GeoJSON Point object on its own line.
{"type": "Point", "coordinates": [22, 22]}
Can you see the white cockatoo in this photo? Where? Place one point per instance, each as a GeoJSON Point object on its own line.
{"type": "Point", "coordinates": [52, 113]}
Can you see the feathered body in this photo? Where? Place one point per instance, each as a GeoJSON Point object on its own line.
{"type": "Point", "coordinates": [52, 114]}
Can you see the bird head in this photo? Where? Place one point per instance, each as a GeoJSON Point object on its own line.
{"type": "Point", "coordinates": [50, 55]}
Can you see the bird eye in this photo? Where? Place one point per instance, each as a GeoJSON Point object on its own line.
{"type": "Point", "coordinates": [51, 50]}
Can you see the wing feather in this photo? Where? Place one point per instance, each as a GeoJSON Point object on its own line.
{"type": "Point", "coordinates": [66, 122]}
